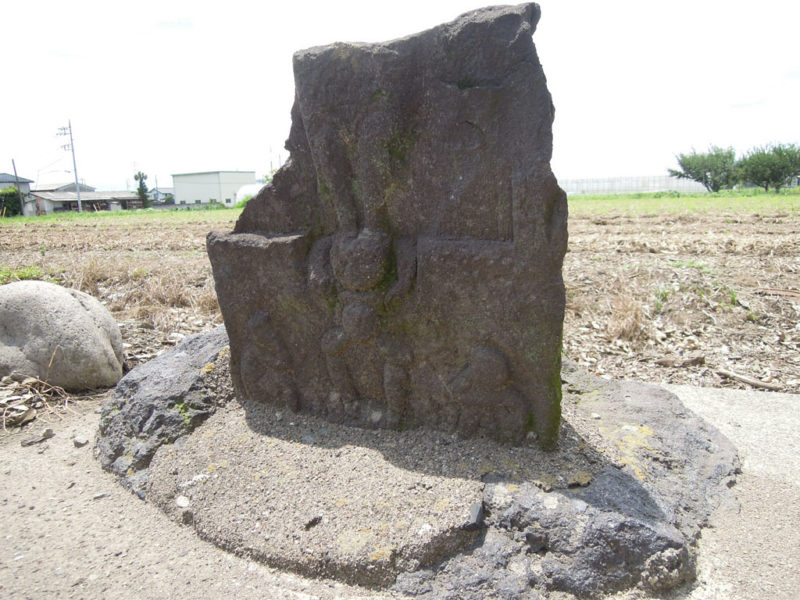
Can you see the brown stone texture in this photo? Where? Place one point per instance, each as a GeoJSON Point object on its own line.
{"type": "Point", "coordinates": [403, 268]}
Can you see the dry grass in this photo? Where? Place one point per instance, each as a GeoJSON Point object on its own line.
{"type": "Point", "coordinates": [24, 400]}
{"type": "Point", "coordinates": [680, 298]}
{"type": "Point", "coordinates": [627, 321]}
{"type": "Point", "coordinates": [648, 295]}
{"type": "Point", "coordinates": [151, 271]}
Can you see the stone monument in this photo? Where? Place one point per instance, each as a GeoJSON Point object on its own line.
{"type": "Point", "coordinates": [403, 271]}
{"type": "Point", "coordinates": [403, 268]}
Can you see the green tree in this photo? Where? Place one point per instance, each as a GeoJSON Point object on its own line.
{"type": "Point", "coordinates": [141, 190]}
{"type": "Point", "coordinates": [771, 165]}
{"type": "Point", "coordinates": [9, 201]}
{"type": "Point", "coordinates": [715, 169]}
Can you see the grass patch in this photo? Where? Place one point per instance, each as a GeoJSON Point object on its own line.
{"type": "Point", "coordinates": [693, 264]}
{"type": "Point", "coordinates": [739, 202]}
{"type": "Point", "coordinates": [177, 216]}
{"type": "Point", "coordinates": [734, 299]}
{"type": "Point", "coordinates": [7, 274]}
{"type": "Point", "coordinates": [661, 297]}
{"type": "Point", "coordinates": [753, 316]}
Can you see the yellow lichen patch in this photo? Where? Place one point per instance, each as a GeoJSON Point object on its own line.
{"type": "Point", "coordinates": [207, 368]}
{"type": "Point", "coordinates": [380, 528]}
{"type": "Point", "coordinates": [510, 464]}
{"type": "Point", "coordinates": [486, 467]}
{"type": "Point", "coordinates": [381, 554]}
{"type": "Point", "coordinates": [630, 440]}
{"type": "Point", "coordinates": [442, 504]}
{"type": "Point", "coordinates": [579, 479]}
{"type": "Point", "coordinates": [211, 468]}
{"type": "Point", "coordinates": [546, 481]}
{"type": "Point", "coordinates": [341, 501]}
{"type": "Point", "coordinates": [352, 541]}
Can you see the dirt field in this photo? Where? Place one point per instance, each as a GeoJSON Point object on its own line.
{"type": "Point", "coordinates": [677, 296]}
{"type": "Point", "coordinates": [686, 298]}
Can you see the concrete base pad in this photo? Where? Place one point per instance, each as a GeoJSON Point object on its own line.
{"type": "Point", "coordinates": [619, 504]}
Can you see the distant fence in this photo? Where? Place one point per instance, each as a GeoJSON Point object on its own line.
{"type": "Point", "coordinates": [630, 185]}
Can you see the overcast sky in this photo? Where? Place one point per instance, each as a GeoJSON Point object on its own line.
{"type": "Point", "coordinates": [172, 87]}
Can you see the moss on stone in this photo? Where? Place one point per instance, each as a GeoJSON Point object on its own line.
{"type": "Point", "coordinates": [183, 410]}
{"type": "Point", "coordinates": [465, 83]}
{"type": "Point", "coordinates": [389, 271]}
{"type": "Point", "coordinates": [398, 149]}
{"type": "Point", "coordinates": [332, 298]}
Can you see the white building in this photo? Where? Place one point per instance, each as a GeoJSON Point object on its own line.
{"type": "Point", "coordinates": [47, 203]}
{"type": "Point", "coordinates": [211, 187]}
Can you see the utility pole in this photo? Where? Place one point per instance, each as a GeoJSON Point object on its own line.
{"type": "Point", "coordinates": [71, 146]}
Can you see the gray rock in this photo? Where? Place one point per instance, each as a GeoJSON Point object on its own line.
{"type": "Point", "coordinates": [159, 402]}
{"type": "Point", "coordinates": [476, 515]}
{"type": "Point", "coordinates": [59, 335]}
{"type": "Point", "coordinates": [591, 549]}
{"type": "Point", "coordinates": [404, 267]}
{"type": "Point", "coordinates": [660, 473]}
{"type": "Point", "coordinates": [45, 435]}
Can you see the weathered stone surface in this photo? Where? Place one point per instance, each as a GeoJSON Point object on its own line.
{"type": "Point", "coordinates": [161, 401]}
{"type": "Point", "coordinates": [657, 475]}
{"type": "Point", "coordinates": [288, 501]}
{"type": "Point", "coordinates": [404, 267]}
{"type": "Point", "coordinates": [59, 335]}
{"type": "Point", "coordinates": [618, 504]}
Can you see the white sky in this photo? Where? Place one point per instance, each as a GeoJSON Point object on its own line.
{"type": "Point", "coordinates": [172, 86]}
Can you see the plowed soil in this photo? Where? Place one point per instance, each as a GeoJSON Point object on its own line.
{"type": "Point", "coordinates": [692, 298]}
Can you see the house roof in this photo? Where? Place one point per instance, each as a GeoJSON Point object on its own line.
{"type": "Point", "coordinates": [211, 173]}
{"type": "Point", "coordinates": [85, 196]}
{"type": "Point", "coordinates": [55, 187]}
{"type": "Point", "coordinates": [8, 178]}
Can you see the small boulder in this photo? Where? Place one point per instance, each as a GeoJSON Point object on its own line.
{"type": "Point", "coordinates": [59, 335]}
{"type": "Point", "coordinates": [162, 401]}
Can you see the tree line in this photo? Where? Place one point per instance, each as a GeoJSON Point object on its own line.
{"type": "Point", "coordinates": [771, 166]}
